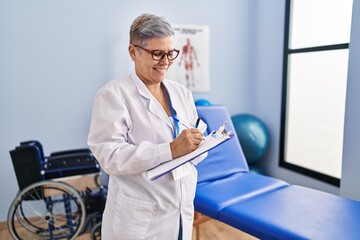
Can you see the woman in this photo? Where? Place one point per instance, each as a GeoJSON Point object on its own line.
{"type": "Point", "coordinates": [139, 122]}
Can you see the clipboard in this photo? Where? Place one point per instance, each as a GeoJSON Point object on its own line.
{"type": "Point", "coordinates": [214, 139]}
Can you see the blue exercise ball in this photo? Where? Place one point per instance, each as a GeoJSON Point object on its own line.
{"type": "Point", "coordinates": [202, 102]}
{"type": "Point", "coordinates": [253, 136]}
{"type": "Point", "coordinates": [256, 169]}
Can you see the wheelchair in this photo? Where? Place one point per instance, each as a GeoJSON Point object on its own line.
{"type": "Point", "coordinates": [60, 197]}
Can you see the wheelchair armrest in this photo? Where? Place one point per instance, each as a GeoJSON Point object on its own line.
{"type": "Point", "coordinates": [70, 152]}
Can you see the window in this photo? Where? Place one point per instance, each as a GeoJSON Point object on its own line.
{"type": "Point", "coordinates": [317, 35]}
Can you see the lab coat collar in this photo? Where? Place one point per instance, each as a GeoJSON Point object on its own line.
{"type": "Point", "coordinates": [153, 105]}
{"type": "Point", "coordinates": [141, 87]}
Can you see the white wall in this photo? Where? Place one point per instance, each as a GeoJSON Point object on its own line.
{"type": "Point", "coordinates": [351, 165]}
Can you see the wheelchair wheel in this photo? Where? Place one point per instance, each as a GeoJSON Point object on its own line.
{"type": "Point", "coordinates": [46, 210]}
{"type": "Point", "coordinates": [96, 232]}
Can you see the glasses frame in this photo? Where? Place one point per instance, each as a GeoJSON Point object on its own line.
{"type": "Point", "coordinates": [163, 53]}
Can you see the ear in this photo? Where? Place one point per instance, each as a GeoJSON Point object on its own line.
{"type": "Point", "coordinates": [132, 52]}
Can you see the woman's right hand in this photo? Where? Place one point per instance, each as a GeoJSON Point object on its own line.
{"type": "Point", "coordinates": [186, 142]}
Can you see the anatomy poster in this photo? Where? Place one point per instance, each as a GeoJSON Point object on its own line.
{"type": "Point", "coordinates": [191, 67]}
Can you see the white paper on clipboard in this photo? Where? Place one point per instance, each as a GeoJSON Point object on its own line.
{"type": "Point", "coordinates": [212, 140]}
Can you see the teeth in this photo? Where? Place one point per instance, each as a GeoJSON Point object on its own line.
{"type": "Point", "coordinates": [160, 69]}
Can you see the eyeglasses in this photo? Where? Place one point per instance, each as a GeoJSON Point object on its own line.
{"type": "Point", "coordinates": [158, 55]}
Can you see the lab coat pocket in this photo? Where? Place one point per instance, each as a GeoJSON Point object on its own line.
{"type": "Point", "coordinates": [133, 217]}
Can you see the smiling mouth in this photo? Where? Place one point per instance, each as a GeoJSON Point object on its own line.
{"type": "Point", "coordinates": [160, 69]}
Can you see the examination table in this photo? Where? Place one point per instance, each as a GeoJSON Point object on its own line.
{"type": "Point", "coordinates": [262, 206]}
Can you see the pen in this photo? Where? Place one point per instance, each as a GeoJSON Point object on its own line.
{"type": "Point", "coordinates": [178, 120]}
{"type": "Point", "coordinates": [197, 122]}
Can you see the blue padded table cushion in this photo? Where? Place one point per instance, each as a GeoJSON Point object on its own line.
{"type": "Point", "coordinates": [226, 159]}
{"type": "Point", "coordinates": [212, 197]}
{"type": "Point", "coordinates": [295, 212]}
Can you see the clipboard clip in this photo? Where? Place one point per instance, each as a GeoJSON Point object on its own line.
{"type": "Point", "coordinates": [222, 132]}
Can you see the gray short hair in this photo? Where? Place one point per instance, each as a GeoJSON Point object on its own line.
{"type": "Point", "coordinates": [147, 26]}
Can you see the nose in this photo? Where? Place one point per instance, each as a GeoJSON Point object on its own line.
{"type": "Point", "coordinates": [165, 60]}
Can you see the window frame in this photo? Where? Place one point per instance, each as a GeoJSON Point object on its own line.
{"type": "Point", "coordinates": [287, 52]}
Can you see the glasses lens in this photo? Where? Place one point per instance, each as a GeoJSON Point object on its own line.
{"type": "Point", "coordinates": [158, 55]}
{"type": "Point", "coordinates": [172, 54]}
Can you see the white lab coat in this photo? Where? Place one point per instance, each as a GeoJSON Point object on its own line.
{"type": "Point", "coordinates": [130, 133]}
